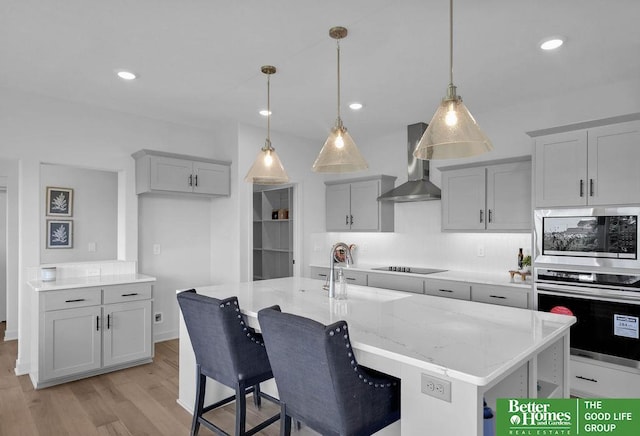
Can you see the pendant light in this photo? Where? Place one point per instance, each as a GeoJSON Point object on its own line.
{"type": "Point", "coordinates": [267, 169]}
{"type": "Point", "coordinates": [452, 132]}
{"type": "Point", "coordinates": [339, 153]}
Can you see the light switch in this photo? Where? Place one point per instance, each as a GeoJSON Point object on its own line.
{"type": "Point", "coordinates": [156, 248]}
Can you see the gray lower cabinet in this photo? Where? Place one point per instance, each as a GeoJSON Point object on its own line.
{"type": "Point", "coordinates": [88, 331]}
{"type": "Point", "coordinates": [396, 282]}
{"type": "Point", "coordinates": [513, 296]}
{"type": "Point", "coordinates": [448, 289]}
{"type": "Point", "coordinates": [502, 295]}
{"type": "Point", "coordinates": [352, 277]}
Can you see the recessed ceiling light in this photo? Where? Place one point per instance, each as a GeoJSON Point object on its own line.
{"type": "Point", "coordinates": [355, 106]}
{"type": "Point", "coordinates": [265, 112]}
{"type": "Point", "coordinates": [126, 75]}
{"type": "Point", "coordinates": [551, 43]}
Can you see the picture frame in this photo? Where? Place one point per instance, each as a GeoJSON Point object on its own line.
{"type": "Point", "coordinates": [59, 201]}
{"type": "Point", "coordinates": [59, 234]}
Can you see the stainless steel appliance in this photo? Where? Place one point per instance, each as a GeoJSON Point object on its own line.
{"type": "Point", "coordinates": [409, 269]}
{"type": "Point", "coordinates": [593, 237]}
{"type": "Point", "coordinates": [607, 308]}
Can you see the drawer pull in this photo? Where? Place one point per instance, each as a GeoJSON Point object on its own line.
{"type": "Point", "coordinates": [587, 379]}
{"type": "Point", "coordinates": [498, 296]}
{"type": "Point", "coordinates": [353, 279]}
{"type": "Point", "coordinates": [130, 295]}
{"type": "Point", "coordinates": [322, 275]}
{"type": "Point", "coordinates": [74, 301]}
{"type": "Point", "coordinates": [445, 290]}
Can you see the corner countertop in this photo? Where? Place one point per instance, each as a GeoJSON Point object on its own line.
{"type": "Point", "coordinates": [487, 278]}
{"type": "Point", "coordinates": [89, 281]}
{"type": "Point", "coordinates": [464, 340]}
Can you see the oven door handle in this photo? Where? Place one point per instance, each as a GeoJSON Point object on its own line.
{"type": "Point", "coordinates": [599, 295]}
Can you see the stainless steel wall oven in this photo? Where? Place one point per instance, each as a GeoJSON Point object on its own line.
{"type": "Point", "coordinates": [593, 237]}
{"type": "Point", "coordinates": [607, 308]}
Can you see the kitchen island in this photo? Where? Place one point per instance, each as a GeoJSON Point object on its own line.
{"type": "Point", "coordinates": [438, 347]}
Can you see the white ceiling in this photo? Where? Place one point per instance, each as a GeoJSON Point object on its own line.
{"type": "Point", "coordinates": [199, 60]}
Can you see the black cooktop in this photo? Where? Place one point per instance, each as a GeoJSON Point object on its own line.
{"type": "Point", "coordinates": [409, 269]}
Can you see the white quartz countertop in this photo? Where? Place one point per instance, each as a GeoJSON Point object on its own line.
{"type": "Point", "coordinates": [488, 278]}
{"type": "Point", "coordinates": [469, 341]}
{"type": "Point", "coordinates": [89, 281]}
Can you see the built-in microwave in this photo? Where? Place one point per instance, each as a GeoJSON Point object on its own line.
{"type": "Point", "coordinates": [594, 236]}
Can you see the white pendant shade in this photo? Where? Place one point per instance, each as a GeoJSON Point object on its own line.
{"type": "Point", "coordinates": [452, 133]}
{"type": "Point", "coordinates": [339, 154]}
{"type": "Point", "coordinates": [267, 169]}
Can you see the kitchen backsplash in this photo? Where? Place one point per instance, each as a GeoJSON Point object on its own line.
{"type": "Point", "coordinates": [418, 241]}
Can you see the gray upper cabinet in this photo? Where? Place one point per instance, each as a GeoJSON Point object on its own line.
{"type": "Point", "coordinates": [352, 205]}
{"type": "Point", "coordinates": [168, 172]}
{"type": "Point", "coordinates": [592, 166]}
{"type": "Point", "coordinates": [493, 196]}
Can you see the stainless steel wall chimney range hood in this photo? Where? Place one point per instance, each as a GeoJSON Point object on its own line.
{"type": "Point", "coordinates": [418, 188]}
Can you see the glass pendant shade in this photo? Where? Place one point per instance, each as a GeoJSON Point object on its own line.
{"type": "Point", "coordinates": [339, 153]}
{"type": "Point", "coordinates": [267, 168]}
{"type": "Point", "coordinates": [452, 133]}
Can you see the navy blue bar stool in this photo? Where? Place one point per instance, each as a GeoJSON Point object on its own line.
{"type": "Point", "coordinates": [228, 351]}
{"type": "Point", "coordinates": [319, 381]}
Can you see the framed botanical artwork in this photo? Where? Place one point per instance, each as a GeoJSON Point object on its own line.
{"type": "Point", "coordinates": [59, 234]}
{"type": "Point", "coordinates": [59, 201]}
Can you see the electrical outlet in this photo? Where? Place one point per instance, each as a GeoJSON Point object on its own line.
{"type": "Point", "coordinates": [480, 251]}
{"type": "Point", "coordinates": [436, 387]}
{"type": "Point", "coordinates": [157, 317]}
{"type": "Point", "coordinates": [91, 248]}
{"type": "Point", "coordinates": [156, 248]}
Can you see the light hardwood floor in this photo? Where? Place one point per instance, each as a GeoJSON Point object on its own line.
{"type": "Point", "coordinates": [130, 402]}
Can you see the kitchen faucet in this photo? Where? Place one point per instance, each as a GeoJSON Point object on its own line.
{"type": "Point", "coordinates": [332, 277]}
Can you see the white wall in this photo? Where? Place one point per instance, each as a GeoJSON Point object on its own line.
{"type": "Point", "coordinates": [37, 130]}
{"type": "Point", "coordinates": [3, 249]}
{"type": "Point", "coordinates": [94, 208]}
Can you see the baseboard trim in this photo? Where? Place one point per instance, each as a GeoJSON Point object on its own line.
{"type": "Point", "coordinates": [21, 368]}
{"type": "Point", "coordinates": [10, 335]}
{"type": "Point", "coordinates": [165, 336]}
{"type": "Point", "coordinates": [184, 406]}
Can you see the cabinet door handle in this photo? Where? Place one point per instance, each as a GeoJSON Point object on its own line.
{"type": "Point", "coordinates": [353, 279]}
{"type": "Point", "coordinates": [129, 295]}
{"type": "Point", "coordinates": [108, 321]}
{"type": "Point", "coordinates": [346, 219]}
{"type": "Point", "coordinates": [445, 290]}
{"type": "Point", "coordinates": [322, 275]}
{"type": "Point", "coordinates": [351, 220]}
{"type": "Point", "coordinates": [74, 301]}
{"type": "Point", "coordinates": [196, 180]}
{"type": "Point", "coordinates": [590, 187]}
{"type": "Point", "coordinates": [481, 215]}
{"type": "Point", "coordinates": [587, 379]}
{"type": "Point", "coordinates": [190, 180]}
{"type": "Point", "coordinates": [97, 323]}
{"type": "Point", "coordinates": [498, 296]}
{"type": "Point", "coordinates": [490, 215]}
{"type": "Point", "coordinates": [581, 188]}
